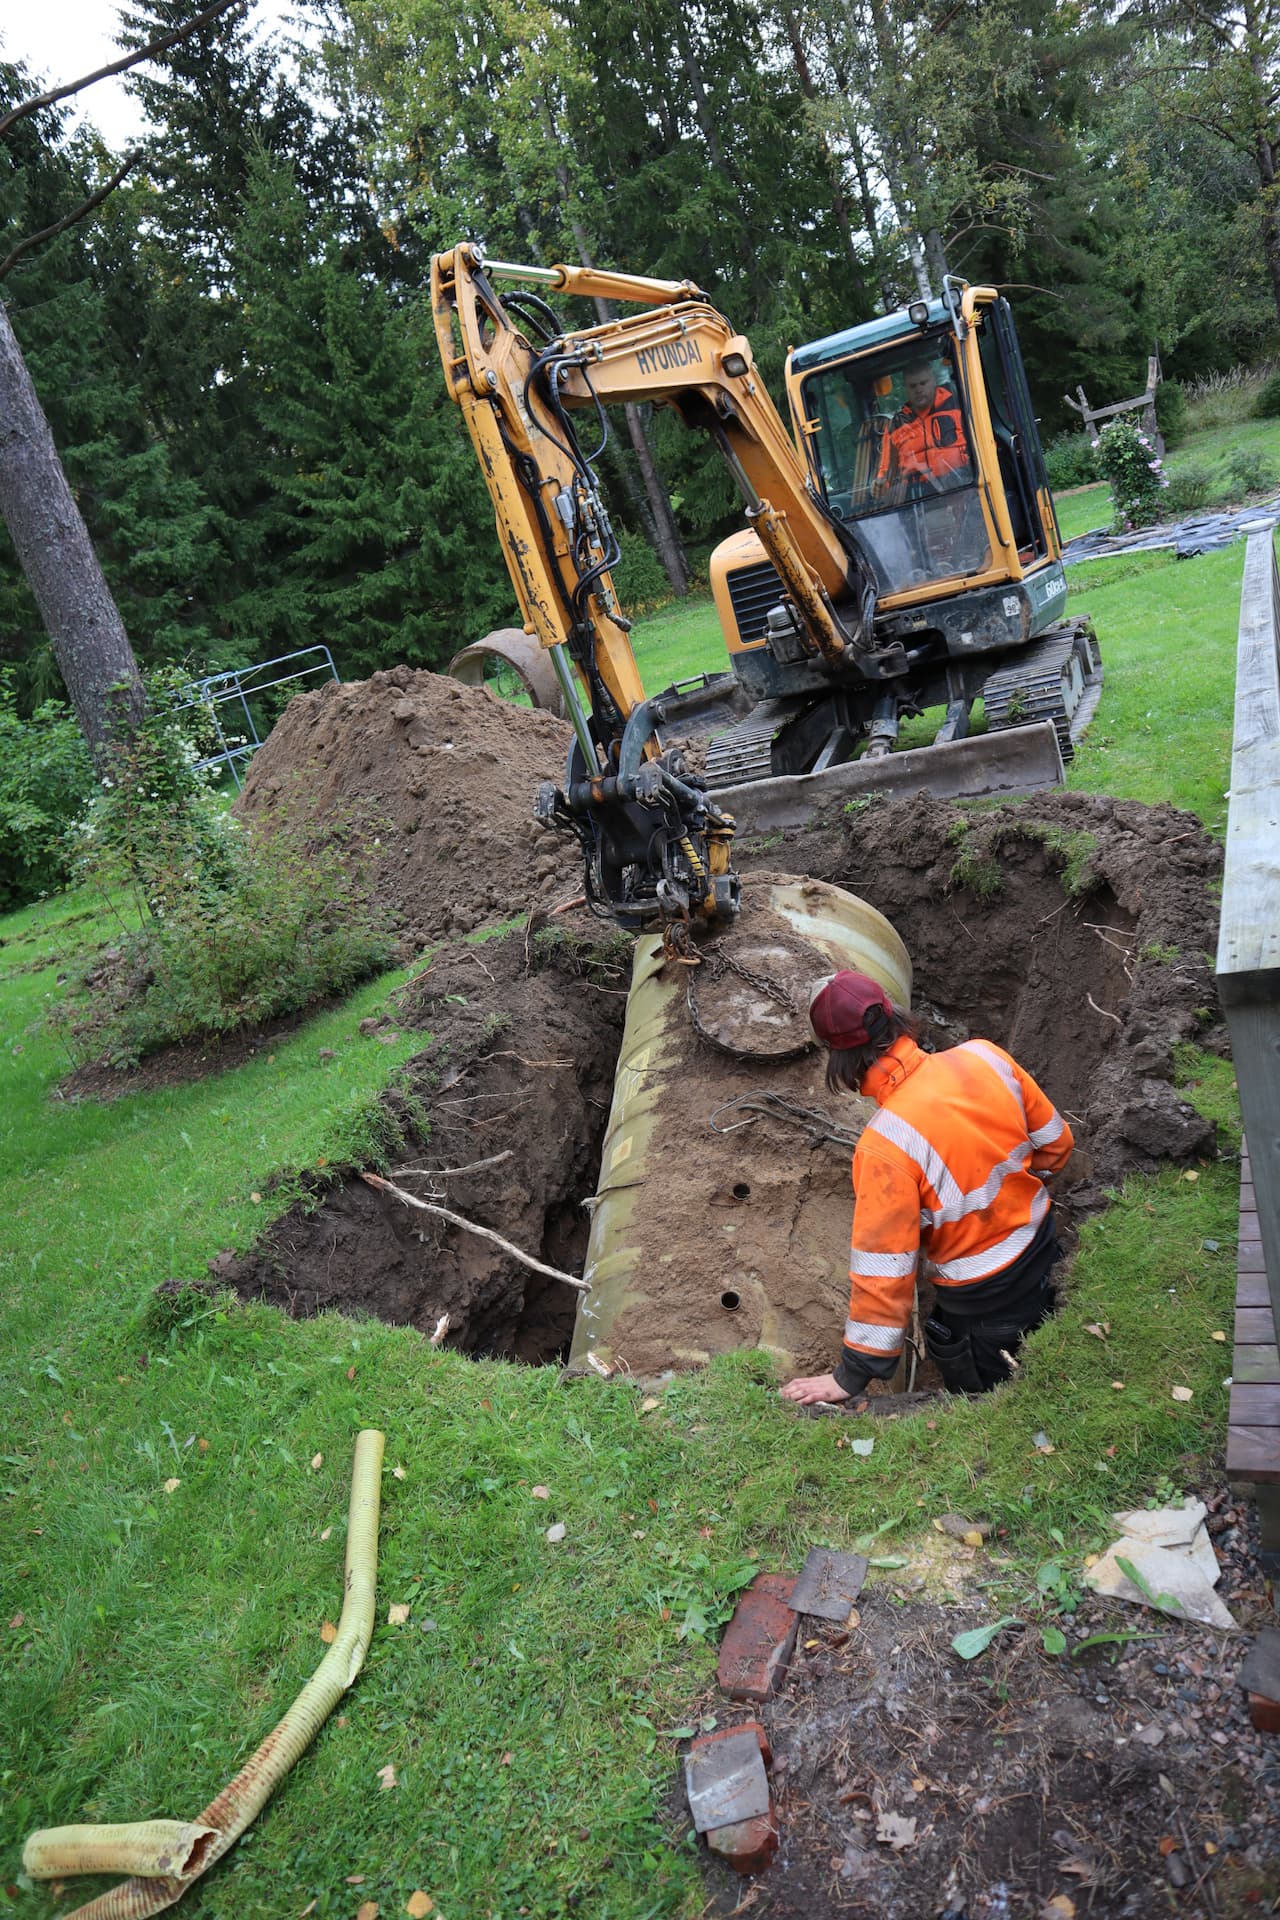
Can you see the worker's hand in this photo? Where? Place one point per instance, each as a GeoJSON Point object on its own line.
{"type": "Point", "coordinates": [807, 1393]}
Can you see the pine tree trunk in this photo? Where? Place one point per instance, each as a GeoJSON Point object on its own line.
{"type": "Point", "coordinates": [55, 553]}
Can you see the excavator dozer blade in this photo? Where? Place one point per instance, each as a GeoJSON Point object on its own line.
{"type": "Point", "coordinates": [1014, 760]}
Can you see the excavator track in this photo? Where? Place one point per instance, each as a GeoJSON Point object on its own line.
{"type": "Point", "coordinates": [746, 751]}
{"type": "Point", "coordinates": [1057, 678]}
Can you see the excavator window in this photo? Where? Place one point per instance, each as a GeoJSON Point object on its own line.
{"type": "Point", "coordinates": [893, 453]}
{"type": "Point", "coordinates": [1012, 423]}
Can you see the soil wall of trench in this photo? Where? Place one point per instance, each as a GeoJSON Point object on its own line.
{"type": "Point", "coordinates": [1075, 930]}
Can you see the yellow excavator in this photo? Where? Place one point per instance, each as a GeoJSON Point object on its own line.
{"type": "Point", "coordinates": [901, 554]}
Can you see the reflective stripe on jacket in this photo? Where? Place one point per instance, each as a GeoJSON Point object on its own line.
{"type": "Point", "coordinates": [947, 1168]}
{"type": "Point", "coordinates": [926, 445]}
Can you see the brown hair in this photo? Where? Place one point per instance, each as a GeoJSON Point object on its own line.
{"type": "Point", "coordinates": [847, 1067]}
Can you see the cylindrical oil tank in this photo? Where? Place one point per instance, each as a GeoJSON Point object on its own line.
{"type": "Point", "coordinates": [723, 1210]}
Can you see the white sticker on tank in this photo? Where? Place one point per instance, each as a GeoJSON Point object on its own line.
{"type": "Point", "coordinates": [1011, 605]}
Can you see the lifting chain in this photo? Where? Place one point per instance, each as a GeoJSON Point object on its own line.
{"type": "Point", "coordinates": [719, 963]}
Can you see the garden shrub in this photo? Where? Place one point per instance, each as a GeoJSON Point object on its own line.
{"type": "Point", "coordinates": [1248, 470]}
{"type": "Point", "coordinates": [1190, 488]}
{"type": "Point", "coordinates": [1128, 459]}
{"type": "Point", "coordinates": [1267, 404]}
{"type": "Point", "coordinates": [1070, 461]}
{"type": "Point", "coordinates": [46, 784]}
{"type": "Point", "coordinates": [1171, 413]}
{"type": "Point", "coordinates": [234, 925]}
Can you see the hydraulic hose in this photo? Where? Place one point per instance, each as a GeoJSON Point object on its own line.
{"type": "Point", "coordinates": [239, 1803]}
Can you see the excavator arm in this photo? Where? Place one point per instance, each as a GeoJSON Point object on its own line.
{"type": "Point", "coordinates": [656, 846]}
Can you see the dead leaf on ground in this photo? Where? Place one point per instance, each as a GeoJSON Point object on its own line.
{"type": "Point", "coordinates": [398, 1473]}
{"type": "Point", "coordinates": [328, 1633]}
{"type": "Point", "coordinates": [1118, 1385]}
{"type": "Point", "coordinates": [351, 1373]}
{"type": "Point", "coordinates": [317, 1461]}
{"type": "Point", "coordinates": [1191, 1174]}
{"type": "Point", "coordinates": [1061, 1907]}
{"type": "Point", "coordinates": [367, 1910]}
{"type": "Point", "coordinates": [171, 1486]}
{"type": "Point", "coordinates": [397, 1613]}
{"type": "Point", "coordinates": [355, 1879]}
{"type": "Point", "coordinates": [1219, 1335]}
{"type": "Point", "coordinates": [309, 1908]}
{"type": "Point", "coordinates": [1168, 1845]}
{"type": "Point", "coordinates": [1042, 1443]}
{"type": "Point", "coordinates": [326, 1533]}
{"type": "Point", "coordinates": [896, 1831]}
{"type": "Point", "coordinates": [556, 1534]}
{"type": "Point", "coordinates": [1181, 1393]}
{"type": "Point", "coordinates": [506, 1760]}
{"type": "Point", "coordinates": [1099, 1330]}
{"type": "Point", "coordinates": [17, 1620]}
{"type": "Point", "coordinates": [419, 1904]}
{"type": "Point", "coordinates": [203, 1445]}
{"type": "Point", "coordinates": [649, 1402]}
{"type": "Point", "coordinates": [540, 1493]}
{"type": "Point", "coordinates": [387, 1778]}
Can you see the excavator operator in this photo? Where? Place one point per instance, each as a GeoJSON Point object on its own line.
{"type": "Point", "coordinates": [925, 441]}
{"type": "Point", "coordinates": [948, 1169]}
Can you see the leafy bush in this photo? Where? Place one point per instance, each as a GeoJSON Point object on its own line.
{"type": "Point", "coordinates": [1248, 470]}
{"type": "Point", "coordinates": [1267, 404]}
{"type": "Point", "coordinates": [235, 925]}
{"type": "Point", "coordinates": [639, 576]}
{"type": "Point", "coordinates": [1191, 487]}
{"type": "Point", "coordinates": [1128, 459]}
{"type": "Point", "coordinates": [1171, 413]}
{"type": "Point", "coordinates": [1070, 461]}
{"type": "Point", "coordinates": [46, 783]}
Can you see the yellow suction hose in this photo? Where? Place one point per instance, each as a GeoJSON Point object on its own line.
{"type": "Point", "coordinates": [153, 1848]}
{"type": "Point", "coordinates": [119, 1849]}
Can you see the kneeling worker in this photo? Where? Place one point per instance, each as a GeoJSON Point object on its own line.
{"type": "Point", "coordinates": [946, 1169]}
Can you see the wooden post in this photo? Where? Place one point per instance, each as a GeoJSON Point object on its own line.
{"type": "Point", "coordinates": [1248, 975]}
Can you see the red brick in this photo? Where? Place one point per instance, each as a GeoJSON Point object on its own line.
{"type": "Point", "coordinates": [1264, 1713]}
{"type": "Point", "coordinates": [748, 1845]}
{"type": "Point", "coordinates": [759, 1640]}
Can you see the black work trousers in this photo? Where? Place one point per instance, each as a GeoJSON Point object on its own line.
{"type": "Point", "coordinates": [968, 1341]}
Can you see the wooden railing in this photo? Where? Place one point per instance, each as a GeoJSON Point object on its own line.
{"type": "Point", "coordinates": [1248, 973]}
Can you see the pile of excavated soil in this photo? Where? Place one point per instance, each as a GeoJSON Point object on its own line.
{"type": "Point", "coordinates": [441, 778]}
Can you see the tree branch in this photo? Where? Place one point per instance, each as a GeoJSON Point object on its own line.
{"type": "Point", "coordinates": [12, 258]}
{"type": "Point", "coordinates": [152, 48]}
{"type": "Point", "coordinates": [471, 1226]}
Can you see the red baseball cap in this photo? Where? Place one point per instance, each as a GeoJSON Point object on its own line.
{"type": "Point", "coordinates": [839, 1005]}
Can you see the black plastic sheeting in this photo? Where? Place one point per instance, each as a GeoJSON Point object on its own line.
{"type": "Point", "coordinates": [1199, 533]}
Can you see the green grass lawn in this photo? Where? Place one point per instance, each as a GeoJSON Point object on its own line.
{"type": "Point", "coordinates": [533, 1703]}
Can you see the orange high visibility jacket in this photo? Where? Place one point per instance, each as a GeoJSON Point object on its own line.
{"type": "Point", "coordinates": [947, 1168]}
{"type": "Point", "coordinates": [923, 446]}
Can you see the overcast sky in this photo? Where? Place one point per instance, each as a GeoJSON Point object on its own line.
{"type": "Point", "coordinates": [62, 39]}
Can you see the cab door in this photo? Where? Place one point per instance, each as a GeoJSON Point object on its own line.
{"type": "Point", "coordinates": [1022, 470]}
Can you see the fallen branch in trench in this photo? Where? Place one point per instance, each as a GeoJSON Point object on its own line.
{"type": "Point", "coordinates": [380, 1185]}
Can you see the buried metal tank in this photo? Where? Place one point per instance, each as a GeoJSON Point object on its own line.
{"type": "Point", "coordinates": [723, 1211]}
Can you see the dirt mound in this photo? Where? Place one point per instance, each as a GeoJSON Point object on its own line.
{"type": "Point", "coordinates": [443, 777]}
{"type": "Point", "coordinates": [1073, 929]}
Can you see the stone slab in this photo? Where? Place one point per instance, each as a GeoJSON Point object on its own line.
{"type": "Point", "coordinates": [829, 1584]}
{"type": "Point", "coordinates": [725, 1779]}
